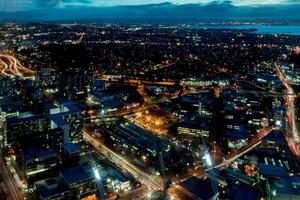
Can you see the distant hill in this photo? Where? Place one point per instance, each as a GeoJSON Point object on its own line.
{"type": "Point", "coordinates": [161, 12]}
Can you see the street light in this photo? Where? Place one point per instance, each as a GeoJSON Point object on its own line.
{"type": "Point", "coordinates": [208, 159]}
{"type": "Point", "coordinates": [157, 122]}
{"type": "Point", "coordinates": [96, 173]}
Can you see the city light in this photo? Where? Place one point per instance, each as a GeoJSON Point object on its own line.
{"type": "Point", "coordinates": [96, 173]}
{"type": "Point", "coordinates": [278, 123]}
{"type": "Point", "coordinates": [144, 158]}
{"type": "Point", "coordinates": [11, 67]}
{"type": "Point", "coordinates": [208, 159]}
{"type": "Point", "coordinates": [153, 109]}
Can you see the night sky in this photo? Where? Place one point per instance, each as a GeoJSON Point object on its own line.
{"type": "Point", "coordinates": [25, 5]}
{"type": "Point", "coordinates": [56, 10]}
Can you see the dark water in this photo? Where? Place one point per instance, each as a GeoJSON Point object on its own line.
{"type": "Point", "coordinates": [261, 29]}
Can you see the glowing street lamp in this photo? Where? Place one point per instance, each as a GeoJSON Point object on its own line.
{"type": "Point", "coordinates": [144, 158]}
{"type": "Point", "coordinates": [89, 99]}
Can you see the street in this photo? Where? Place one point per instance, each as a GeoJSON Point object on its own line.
{"type": "Point", "coordinates": [152, 182]}
{"type": "Point", "coordinates": [293, 137]}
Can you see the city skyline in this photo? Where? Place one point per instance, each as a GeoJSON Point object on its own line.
{"type": "Point", "coordinates": [149, 100]}
{"type": "Point", "coordinates": [101, 111]}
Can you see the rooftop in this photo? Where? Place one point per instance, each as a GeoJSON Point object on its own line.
{"type": "Point", "coordinates": [30, 154]}
{"type": "Point", "coordinates": [71, 148]}
{"type": "Point", "coordinates": [51, 187]}
{"type": "Point", "coordinates": [273, 170]}
{"type": "Point", "coordinates": [242, 192]}
{"type": "Point", "coordinates": [199, 188]}
{"type": "Point", "coordinates": [77, 174]}
{"type": "Point", "coordinates": [283, 186]}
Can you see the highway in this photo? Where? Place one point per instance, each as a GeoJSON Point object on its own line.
{"type": "Point", "coordinates": [136, 81]}
{"type": "Point", "coordinates": [157, 184]}
{"type": "Point", "coordinates": [14, 193]}
{"type": "Point", "coordinates": [129, 112]}
{"type": "Point", "coordinates": [138, 193]}
{"type": "Point", "coordinates": [159, 67]}
{"type": "Point", "coordinates": [11, 67]}
{"type": "Point", "coordinates": [293, 137]}
{"type": "Point", "coordinates": [227, 159]}
{"type": "Point", "coordinates": [152, 182]}
{"type": "Point", "coordinates": [254, 143]}
{"type": "Point", "coordinates": [80, 38]}
{"type": "Point", "coordinates": [148, 103]}
{"type": "Point", "coordinates": [225, 70]}
{"type": "Point", "coordinates": [179, 191]}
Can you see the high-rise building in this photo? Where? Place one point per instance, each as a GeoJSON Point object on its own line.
{"type": "Point", "coordinates": [22, 125]}
{"type": "Point", "coordinates": [81, 181]}
{"type": "Point", "coordinates": [7, 85]}
{"type": "Point", "coordinates": [52, 189]}
{"type": "Point", "coordinates": [70, 154]}
{"type": "Point", "coordinates": [73, 86]}
{"type": "Point", "coordinates": [68, 116]}
{"type": "Point", "coordinates": [37, 164]}
{"type": "Point", "coordinates": [52, 138]}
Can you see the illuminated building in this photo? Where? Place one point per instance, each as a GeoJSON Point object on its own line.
{"type": "Point", "coordinates": [23, 125]}
{"type": "Point", "coordinates": [201, 189]}
{"type": "Point", "coordinates": [52, 189]}
{"type": "Point", "coordinates": [107, 102]}
{"type": "Point", "coordinates": [6, 86]}
{"type": "Point", "coordinates": [140, 143]}
{"type": "Point", "coordinates": [73, 86]}
{"type": "Point", "coordinates": [37, 164]}
{"type": "Point", "coordinates": [204, 83]}
{"type": "Point", "coordinates": [70, 154]}
{"type": "Point", "coordinates": [53, 138]}
{"type": "Point", "coordinates": [81, 181]}
{"type": "Point", "coordinates": [193, 130]}
{"type": "Point", "coordinates": [279, 117]}
{"type": "Point", "coordinates": [281, 184]}
{"type": "Point", "coordinates": [77, 182]}
{"type": "Point", "coordinates": [275, 141]}
{"type": "Point", "coordinates": [68, 116]}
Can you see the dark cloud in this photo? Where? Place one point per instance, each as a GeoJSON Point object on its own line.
{"type": "Point", "coordinates": [46, 3]}
{"type": "Point", "coordinates": [77, 1]}
{"type": "Point", "coordinates": [223, 10]}
{"type": "Point", "coordinates": [55, 3]}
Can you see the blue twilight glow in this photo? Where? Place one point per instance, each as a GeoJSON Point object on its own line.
{"type": "Point", "coordinates": [24, 5]}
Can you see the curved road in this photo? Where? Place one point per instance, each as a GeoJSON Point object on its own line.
{"type": "Point", "coordinates": [293, 137]}
{"type": "Point", "coordinates": [156, 183]}
{"type": "Point", "coordinates": [11, 67]}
